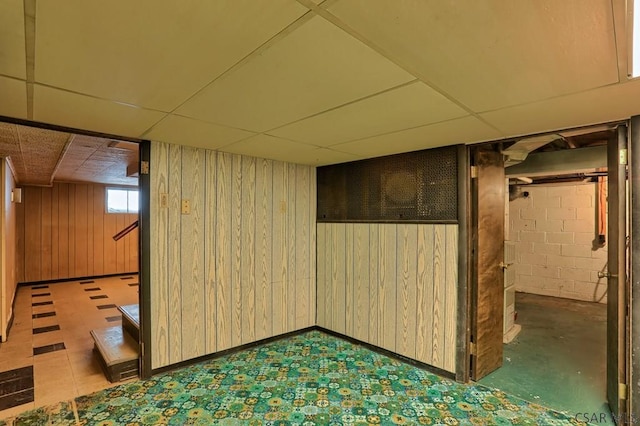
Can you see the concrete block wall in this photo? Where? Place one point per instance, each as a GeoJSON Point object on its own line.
{"type": "Point", "coordinates": [554, 231]}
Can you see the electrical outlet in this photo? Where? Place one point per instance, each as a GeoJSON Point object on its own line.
{"type": "Point", "coordinates": [186, 207]}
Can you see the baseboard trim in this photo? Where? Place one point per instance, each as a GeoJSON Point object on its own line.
{"type": "Point", "coordinates": [66, 280]}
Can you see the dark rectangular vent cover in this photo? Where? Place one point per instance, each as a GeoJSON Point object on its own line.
{"type": "Point", "coordinates": [417, 186]}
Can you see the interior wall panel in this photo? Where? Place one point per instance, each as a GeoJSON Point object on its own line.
{"type": "Point", "coordinates": [65, 232]}
{"type": "Point", "coordinates": [401, 280]}
{"type": "Point", "coordinates": [240, 266]}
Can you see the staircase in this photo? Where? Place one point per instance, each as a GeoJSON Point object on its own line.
{"type": "Point", "coordinates": [117, 347]}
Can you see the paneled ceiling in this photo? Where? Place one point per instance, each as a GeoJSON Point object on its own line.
{"type": "Point", "coordinates": [316, 82]}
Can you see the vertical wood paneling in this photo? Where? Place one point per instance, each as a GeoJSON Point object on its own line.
{"type": "Point", "coordinates": [55, 233]}
{"type": "Point", "coordinates": [236, 251]}
{"type": "Point", "coordinates": [361, 281]}
{"type": "Point", "coordinates": [47, 226]}
{"type": "Point", "coordinates": [311, 212]}
{"type": "Point", "coordinates": [404, 285]}
{"type": "Point", "coordinates": [175, 255]}
{"type": "Point", "coordinates": [451, 300]}
{"type": "Point", "coordinates": [33, 235]}
{"type": "Point", "coordinates": [256, 249]}
{"type": "Point", "coordinates": [89, 212]}
{"type": "Point", "coordinates": [81, 231]}
{"type": "Point", "coordinates": [406, 306]}
{"type": "Point", "coordinates": [304, 311]}
{"type": "Point", "coordinates": [223, 254]}
{"type": "Point", "coordinates": [279, 248]}
{"type": "Point", "coordinates": [63, 230]}
{"type": "Point", "coordinates": [338, 285]}
{"type": "Point", "coordinates": [210, 249]}
{"type": "Point", "coordinates": [248, 231]}
{"type": "Point", "coordinates": [98, 229]}
{"type": "Point", "coordinates": [192, 273]}
{"type": "Point", "coordinates": [159, 273]}
{"type": "Point", "coordinates": [71, 260]}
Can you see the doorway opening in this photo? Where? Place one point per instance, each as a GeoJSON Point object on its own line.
{"type": "Point", "coordinates": [71, 262]}
{"type": "Point", "coordinates": [555, 266]}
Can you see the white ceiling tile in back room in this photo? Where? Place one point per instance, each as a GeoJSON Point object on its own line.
{"type": "Point", "coordinates": [265, 146]}
{"type": "Point", "coordinates": [489, 54]}
{"type": "Point", "coordinates": [150, 53]}
{"type": "Point", "coordinates": [458, 131]}
{"type": "Point", "coordinates": [12, 47]}
{"type": "Point", "coordinates": [412, 105]}
{"type": "Point", "coordinates": [187, 131]}
{"type": "Point", "coordinates": [13, 102]}
{"type": "Point", "coordinates": [315, 67]}
{"type": "Point", "coordinates": [87, 113]}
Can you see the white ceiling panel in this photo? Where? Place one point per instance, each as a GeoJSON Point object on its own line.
{"type": "Point", "coordinates": [83, 112]}
{"type": "Point", "coordinates": [490, 54]}
{"type": "Point", "coordinates": [592, 107]}
{"type": "Point", "coordinates": [312, 69]}
{"type": "Point", "coordinates": [150, 53]}
{"type": "Point", "coordinates": [12, 47]}
{"type": "Point", "coordinates": [413, 105]}
{"type": "Point", "coordinates": [187, 131]}
{"type": "Point", "coordinates": [265, 146]}
{"type": "Point", "coordinates": [458, 131]}
{"type": "Point", "coordinates": [13, 98]}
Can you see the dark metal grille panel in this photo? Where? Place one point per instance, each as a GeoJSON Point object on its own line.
{"type": "Point", "coordinates": [417, 186]}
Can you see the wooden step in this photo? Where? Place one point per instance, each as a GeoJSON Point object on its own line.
{"type": "Point", "coordinates": [131, 320]}
{"type": "Point", "coordinates": [117, 353]}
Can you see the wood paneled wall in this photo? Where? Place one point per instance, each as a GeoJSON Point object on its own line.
{"type": "Point", "coordinates": [8, 280]}
{"type": "Point", "coordinates": [391, 285]}
{"type": "Point", "coordinates": [65, 232]}
{"type": "Point", "coordinates": [240, 266]}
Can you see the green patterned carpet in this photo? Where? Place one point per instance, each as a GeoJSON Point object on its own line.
{"type": "Point", "coordinates": [309, 379]}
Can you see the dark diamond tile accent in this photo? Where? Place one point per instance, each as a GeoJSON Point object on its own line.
{"type": "Point", "coordinates": [48, 302]}
{"type": "Point", "coordinates": [16, 380]}
{"type": "Point", "coordinates": [48, 348]}
{"type": "Point", "coordinates": [87, 282]}
{"type": "Point", "coordinates": [40, 287]}
{"type": "Point", "coordinates": [100, 296]}
{"type": "Point", "coordinates": [92, 289]}
{"type": "Point", "coordinates": [114, 318]}
{"type": "Point", "coordinates": [39, 330]}
{"type": "Point", "coordinates": [43, 315]}
{"type": "Point", "coordinates": [126, 278]}
{"type": "Point", "coordinates": [17, 398]}
{"type": "Point", "coordinates": [133, 284]}
{"type": "Point", "coordinates": [40, 294]}
{"type": "Point", "coordinates": [106, 306]}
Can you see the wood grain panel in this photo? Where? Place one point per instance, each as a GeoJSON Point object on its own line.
{"type": "Point", "coordinates": [159, 273]}
{"type": "Point", "coordinates": [47, 225]}
{"type": "Point", "coordinates": [407, 247]}
{"type": "Point", "coordinates": [236, 250]}
{"type": "Point", "coordinates": [55, 233]}
{"type": "Point", "coordinates": [338, 284]}
{"type": "Point", "coordinates": [82, 231]}
{"type": "Point", "coordinates": [305, 313]}
{"type": "Point", "coordinates": [248, 273]}
{"type": "Point", "coordinates": [253, 246]}
{"type": "Point", "coordinates": [209, 251]}
{"type": "Point", "coordinates": [264, 303]}
{"type": "Point", "coordinates": [175, 255]}
{"type": "Point", "coordinates": [193, 266]}
{"type": "Point", "coordinates": [223, 255]}
{"type": "Point", "coordinates": [403, 282]}
{"type": "Point", "coordinates": [63, 230]}
{"type": "Point", "coordinates": [310, 208]}
{"type": "Point", "coordinates": [98, 229]}
{"type": "Point", "coordinates": [361, 281]}
{"type": "Point", "coordinates": [279, 248]}
{"type": "Point", "coordinates": [71, 260]}
{"type": "Point", "coordinates": [33, 234]}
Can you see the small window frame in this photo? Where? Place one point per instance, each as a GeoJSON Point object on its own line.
{"type": "Point", "coordinates": [129, 209]}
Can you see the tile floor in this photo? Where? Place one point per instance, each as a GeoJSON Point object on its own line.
{"type": "Point", "coordinates": [51, 333]}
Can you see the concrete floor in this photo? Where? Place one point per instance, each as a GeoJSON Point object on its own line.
{"type": "Point", "coordinates": [559, 358]}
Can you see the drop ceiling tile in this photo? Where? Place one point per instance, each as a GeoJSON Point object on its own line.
{"type": "Point", "coordinates": [316, 67]}
{"type": "Point", "coordinates": [13, 102]}
{"type": "Point", "coordinates": [458, 131]}
{"type": "Point", "coordinates": [187, 131]}
{"type": "Point", "coordinates": [265, 146]}
{"type": "Point", "coordinates": [150, 53]}
{"type": "Point", "coordinates": [616, 102]}
{"type": "Point", "coordinates": [87, 113]}
{"type": "Point", "coordinates": [413, 105]}
{"type": "Point", "coordinates": [12, 59]}
{"type": "Point", "coordinates": [490, 54]}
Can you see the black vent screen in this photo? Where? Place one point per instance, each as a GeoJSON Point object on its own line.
{"type": "Point", "coordinates": [417, 186]}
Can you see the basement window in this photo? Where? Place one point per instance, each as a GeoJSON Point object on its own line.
{"type": "Point", "coordinates": [121, 200]}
